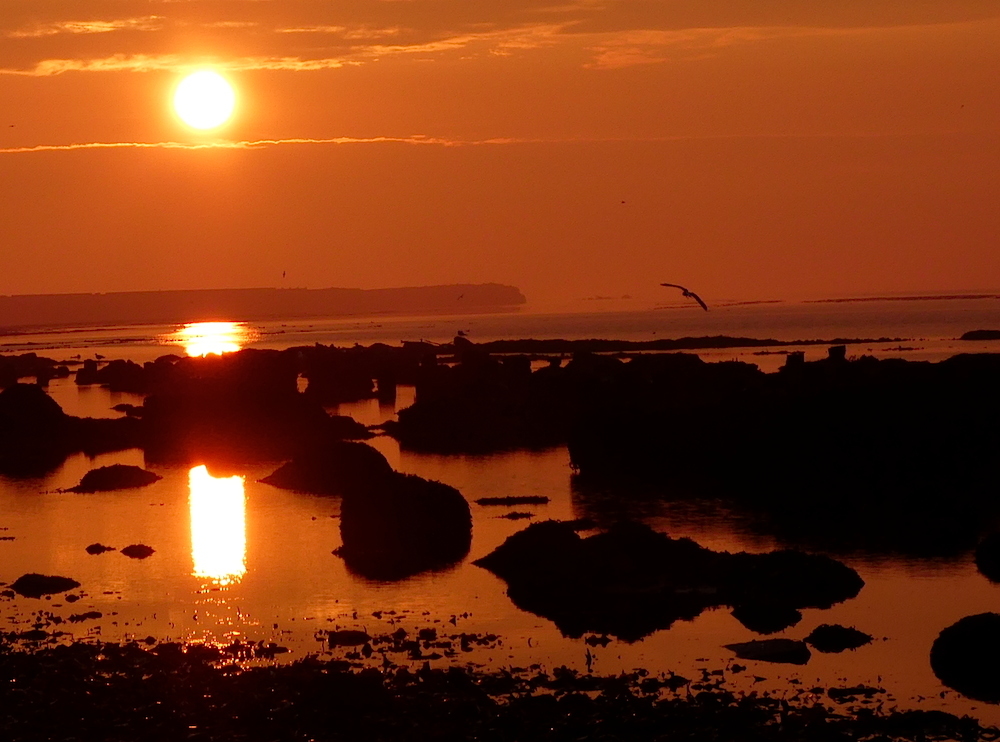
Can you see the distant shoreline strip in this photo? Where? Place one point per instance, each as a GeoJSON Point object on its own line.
{"type": "Point", "coordinates": [941, 297]}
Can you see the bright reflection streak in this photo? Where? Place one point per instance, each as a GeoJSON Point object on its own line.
{"type": "Point", "coordinates": [204, 338]}
{"type": "Point", "coordinates": [218, 526]}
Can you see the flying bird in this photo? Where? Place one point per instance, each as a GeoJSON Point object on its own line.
{"type": "Point", "coordinates": [689, 294]}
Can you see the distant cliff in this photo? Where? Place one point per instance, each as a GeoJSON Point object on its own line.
{"type": "Point", "coordinates": [155, 307]}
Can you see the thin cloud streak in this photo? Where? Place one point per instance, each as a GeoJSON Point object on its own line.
{"type": "Point", "coordinates": [259, 143]}
{"type": "Point", "coordinates": [418, 139]}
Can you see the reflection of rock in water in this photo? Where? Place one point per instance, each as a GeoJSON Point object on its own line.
{"type": "Point", "coordinates": [393, 525]}
{"type": "Point", "coordinates": [965, 657]}
{"type": "Point", "coordinates": [631, 581]}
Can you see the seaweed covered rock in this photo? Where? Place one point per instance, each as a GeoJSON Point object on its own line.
{"type": "Point", "coordinates": [115, 477]}
{"type": "Point", "coordinates": [338, 468]}
{"type": "Point", "coordinates": [630, 581]}
{"type": "Point", "coordinates": [965, 657]}
{"type": "Point", "coordinates": [832, 638]}
{"type": "Point", "coordinates": [402, 525]}
{"type": "Point", "coordinates": [34, 585]}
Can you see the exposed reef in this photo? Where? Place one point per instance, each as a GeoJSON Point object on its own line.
{"type": "Point", "coordinates": [115, 477]}
{"type": "Point", "coordinates": [630, 581]}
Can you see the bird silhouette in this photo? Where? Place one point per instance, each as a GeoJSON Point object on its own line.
{"type": "Point", "coordinates": [688, 293]}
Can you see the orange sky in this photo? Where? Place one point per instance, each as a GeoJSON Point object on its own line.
{"type": "Point", "coordinates": [762, 148]}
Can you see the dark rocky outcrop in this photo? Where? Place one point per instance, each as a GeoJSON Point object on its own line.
{"type": "Point", "coordinates": [34, 585]}
{"type": "Point", "coordinates": [402, 526]}
{"type": "Point", "coordinates": [36, 435]}
{"type": "Point", "coordinates": [630, 580]}
{"type": "Point", "coordinates": [965, 657]}
{"type": "Point", "coordinates": [99, 549]}
{"type": "Point", "coordinates": [339, 468]}
{"type": "Point", "coordinates": [772, 650]}
{"type": "Point", "coordinates": [832, 638]}
{"type": "Point", "coordinates": [392, 525]}
{"type": "Point", "coordinates": [138, 551]}
{"type": "Point", "coordinates": [115, 477]}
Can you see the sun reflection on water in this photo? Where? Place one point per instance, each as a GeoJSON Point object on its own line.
{"type": "Point", "coordinates": [218, 526]}
{"type": "Point", "coordinates": [205, 338]}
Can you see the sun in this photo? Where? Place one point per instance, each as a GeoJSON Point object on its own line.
{"type": "Point", "coordinates": [204, 100]}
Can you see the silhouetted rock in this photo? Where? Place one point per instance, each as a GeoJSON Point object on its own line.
{"type": "Point", "coordinates": [766, 619]}
{"type": "Point", "coordinates": [99, 549]}
{"type": "Point", "coordinates": [832, 638]}
{"type": "Point", "coordinates": [630, 580]}
{"type": "Point", "coordinates": [786, 651]}
{"type": "Point", "coordinates": [34, 585]}
{"type": "Point", "coordinates": [965, 657]}
{"type": "Point", "coordinates": [339, 468]}
{"type": "Point", "coordinates": [988, 557]}
{"type": "Point", "coordinates": [403, 525]}
{"type": "Point", "coordinates": [138, 551]}
{"type": "Point", "coordinates": [115, 477]}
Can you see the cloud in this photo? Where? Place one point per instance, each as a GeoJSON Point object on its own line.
{"type": "Point", "coordinates": [300, 35]}
{"type": "Point", "coordinates": [172, 62]}
{"type": "Point", "coordinates": [147, 23]}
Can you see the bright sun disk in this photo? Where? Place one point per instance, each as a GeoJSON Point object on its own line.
{"type": "Point", "coordinates": [204, 100]}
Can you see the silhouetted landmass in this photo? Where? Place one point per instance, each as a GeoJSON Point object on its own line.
{"type": "Point", "coordinates": [981, 335]}
{"type": "Point", "coordinates": [252, 305]}
{"type": "Point", "coordinates": [630, 581]}
{"type": "Point", "coordinates": [883, 455]}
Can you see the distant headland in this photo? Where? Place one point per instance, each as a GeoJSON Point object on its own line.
{"type": "Point", "coordinates": [253, 305]}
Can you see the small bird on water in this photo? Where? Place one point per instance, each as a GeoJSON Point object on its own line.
{"type": "Point", "coordinates": [689, 294]}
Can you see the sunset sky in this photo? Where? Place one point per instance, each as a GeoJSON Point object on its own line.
{"type": "Point", "coordinates": [751, 149]}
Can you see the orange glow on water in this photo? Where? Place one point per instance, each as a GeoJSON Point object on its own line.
{"type": "Point", "coordinates": [218, 526]}
{"type": "Point", "coordinates": [206, 338]}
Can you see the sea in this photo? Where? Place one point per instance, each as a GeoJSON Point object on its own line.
{"type": "Point", "coordinates": [236, 559]}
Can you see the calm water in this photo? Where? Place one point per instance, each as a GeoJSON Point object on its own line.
{"type": "Point", "coordinates": [236, 558]}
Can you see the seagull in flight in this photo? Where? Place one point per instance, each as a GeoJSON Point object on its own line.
{"type": "Point", "coordinates": [688, 294]}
